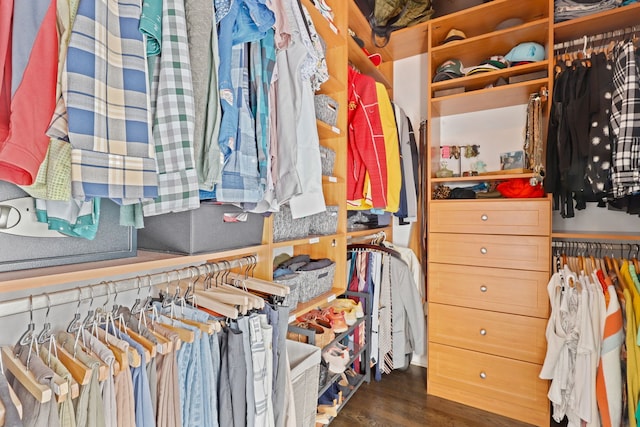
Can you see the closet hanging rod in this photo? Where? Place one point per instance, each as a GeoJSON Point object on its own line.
{"type": "Point", "coordinates": [602, 37]}
{"type": "Point", "coordinates": [80, 294]}
{"type": "Point", "coordinates": [585, 247]}
{"type": "Point", "coordinates": [379, 235]}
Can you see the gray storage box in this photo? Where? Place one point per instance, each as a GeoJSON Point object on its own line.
{"type": "Point", "coordinates": [200, 230]}
{"type": "Point", "coordinates": [112, 241]}
{"type": "Point", "coordinates": [325, 222]}
{"type": "Point", "coordinates": [287, 228]}
{"type": "Point", "coordinates": [327, 160]}
{"type": "Point", "coordinates": [326, 109]}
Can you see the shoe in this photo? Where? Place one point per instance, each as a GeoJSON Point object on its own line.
{"type": "Point", "coordinates": [345, 387]}
{"type": "Point", "coordinates": [353, 378]}
{"type": "Point", "coordinates": [331, 410]}
{"type": "Point", "coordinates": [336, 359]}
{"type": "Point", "coordinates": [316, 316]}
{"type": "Point", "coordinates": [348, 305]}
{"type": "Point", "coordinates": [338, 323]}
{"type": "Point", "coordinates": [323, 336]}
{"type": "Point", "coordinates": [323, 419]}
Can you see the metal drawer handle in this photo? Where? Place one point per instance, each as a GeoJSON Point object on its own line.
{"type": "Point", "coordinates": [483, 250]}
{"type": "Point", "coordinates": [483, 375]}
{"type": "Point", "coordinates": [483, 331]}
{"type": "Point", "coordinates": [483, 288]}
{"type": "Point", "coordinates": [484, 217]}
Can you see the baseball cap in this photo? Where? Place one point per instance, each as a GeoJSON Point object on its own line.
{"type": "Point", "coordinates": [527, 51]}
{"type": "Point", "coordinates": [449, 69]}
{"type": "Point", "coordinates": [508, 23]}
{"type": "Point", "coordinates": [453, 35]}
{"type": "Point", "coordinates": [496, 62]}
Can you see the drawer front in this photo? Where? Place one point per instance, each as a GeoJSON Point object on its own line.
{"type": "Point", "coordinates": [497, 289]}
{"type": "Point", "coordinates": [496, 384]}
{"type": "Point", "coordinates": [508, 335]}
{"type": "Point", "coordinates": [514, 252]}
{"type": "Point", "coordinates": [522, 217]}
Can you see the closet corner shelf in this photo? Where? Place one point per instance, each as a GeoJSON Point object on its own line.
{"type": "Point", "coordinates": [487, 99]}
{"type": "Point", "coordinates": [481, 80]}
{"type": "Point", "coordinates": [359, 24]}
{"type": "Point", "coordinates": [144, 261]}
{"type": "Point", "coordinates": [332, 85]}
{"type": "Point", "coordinates": [327, 30]}
{"type": "Point", "coordinates": [364, 64]}
{"type": "Point", "coordinates": [488, 177]}
{"type": "Point", "coordinates": [598, 23]}
{"type": "Point", "coordinates": [304, 307]}
{"type": "Point", "coordinates": [309, 240]}
{"type": "Point", "coordinates": [326, 131]}
{"type": "Point", "coordinates": [354, 234]}
{"type": "Point", "coordinates": [615, 236]}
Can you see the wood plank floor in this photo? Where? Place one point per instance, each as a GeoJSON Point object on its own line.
{"type": "Point", "coordinates": [400, 400]}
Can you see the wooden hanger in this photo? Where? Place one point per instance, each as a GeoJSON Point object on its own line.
{"type": "Point", "coordinates": [41, 392]}
{"type": "Point", "coordinates": [124, 359]}
{"type": "Point", "coordinates": [78, 370]}
{"type": "Point", "coordinates": [16, 402]}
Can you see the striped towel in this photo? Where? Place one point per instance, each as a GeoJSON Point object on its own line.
{"type": "Point", "coordinates": [106, 95]}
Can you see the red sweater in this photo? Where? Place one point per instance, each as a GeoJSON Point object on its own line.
{"type": "Point", "coordinates": [30, 72]}
{"type": "Point", "coordinates": [366, 152]}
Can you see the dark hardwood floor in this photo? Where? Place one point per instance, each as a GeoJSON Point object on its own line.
{"type": "Point", "coordinates": [400, 400]}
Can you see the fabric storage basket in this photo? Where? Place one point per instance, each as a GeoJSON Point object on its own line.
{"type": "Point", "coordinates": [326, 109]}
{"type": "Point", "coordinates": [304, 362]}
{"type": "Point", "coordinates": [327, 160]}
{"type": "Point", "coordinates": [292, 281]}
{"type": "Point", "coordinates": [201, 230]}
{"type": "Point", "coordinates": [287, 228]}
{"type": "Point", "coordinates": [324, 222]}
{"type": "Point", "coordinates": [315, 282]}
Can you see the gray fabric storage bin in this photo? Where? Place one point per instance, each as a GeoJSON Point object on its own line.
{"type": "Point", "coordinates": [287, 228]}
{"type": "Point", "coordinates": [315, 282]}
{"type": "Point", "coordinates": [324, 222]}
{"type": "Point", "coordinates": [111, 242]}
{"type": "Point", "coordinates": [326, 109]}
{"type": "Point", "coordinates": [200, 230]}
{"type": "Point", "coordinates": [292, 281]}
{"type": "Point", "coordinates": [304, 363]}
{"type": "Point", "coordinates": [327, 160]}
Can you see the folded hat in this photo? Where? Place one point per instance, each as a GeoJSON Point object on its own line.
{"type": "Point", "coordinates": [496, 62]}
{"type": "Point", "coordinates": [449, 69]}
{"type": "Point", "coordinates": [527, 51]}
{"type": "Point", "coordinates": [454, 34]}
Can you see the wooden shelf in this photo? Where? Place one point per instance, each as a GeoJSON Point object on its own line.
{"type": "Point", "coordinates": [486, 99]}
{"type": "Point", "coordinates": [332, 85]}
{"type": "Point", "coordinates": [327, 30]}
{"type": "Point", "coordinates": [481, 80]}
{"type": "Point", "coordinates": [358, 58]}
{"type": "Point", "coordinates": [326, 131]}
{"type": "Point", "coordinates": [309, 240]}
{"type": "Point", "coordinates": [304, 307]}
{"type": "Point", "coordinates": [599, 23]}
{"type": "Point", "coordinates": [144, 261]}
{"type": "Point", "coordinates": [596, 236]}
{"type": "Point", "coordinates": [488, 177]}
{"type": "Point", "coordinates": [482, 19]}
{"type": "Point", "coordinates": [359, 25]}
{"type": "Point", "coordinates": [473, 50]}
{"type": "Point", "coordinates": [354, 234]}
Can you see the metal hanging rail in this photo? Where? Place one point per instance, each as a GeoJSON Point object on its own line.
{"type": "Point", "coordinates": [80, 294]}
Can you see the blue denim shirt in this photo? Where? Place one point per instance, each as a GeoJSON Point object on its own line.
{"type": "Point", "coordinates": [246, 21]}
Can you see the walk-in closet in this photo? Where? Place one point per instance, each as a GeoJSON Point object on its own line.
{"type": "Point", "coordinates": [299, 213]}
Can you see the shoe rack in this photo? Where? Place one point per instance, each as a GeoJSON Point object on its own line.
{"type": "Point", "coordinates": [364, 352]}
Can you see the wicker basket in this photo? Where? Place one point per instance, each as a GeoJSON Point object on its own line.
{"type": "Point", "coordinates": [287, 228]}
{"type": "Point", "coordinates": [328, 160]}
{"type": "Point", "coordinates": [304, 362]}
{"type": "Point", "coordinates": [315, 282]}
{"type": "Point", "coordinates": [324, 222]}
{"type": "Point", "coordinates": [326, 109]}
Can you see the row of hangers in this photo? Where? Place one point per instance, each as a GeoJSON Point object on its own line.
{"type": "Point", "coordinates": [567, 54]}
{"type": "Point", "coordinates": [589, 257]}
{"type": "Point", "coordinates": [377, 243]}
{"type": "Point", "coordinates": [211, 286]}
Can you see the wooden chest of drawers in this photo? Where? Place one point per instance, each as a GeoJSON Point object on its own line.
{"type": "Point", "coordinates": [489, 264]}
